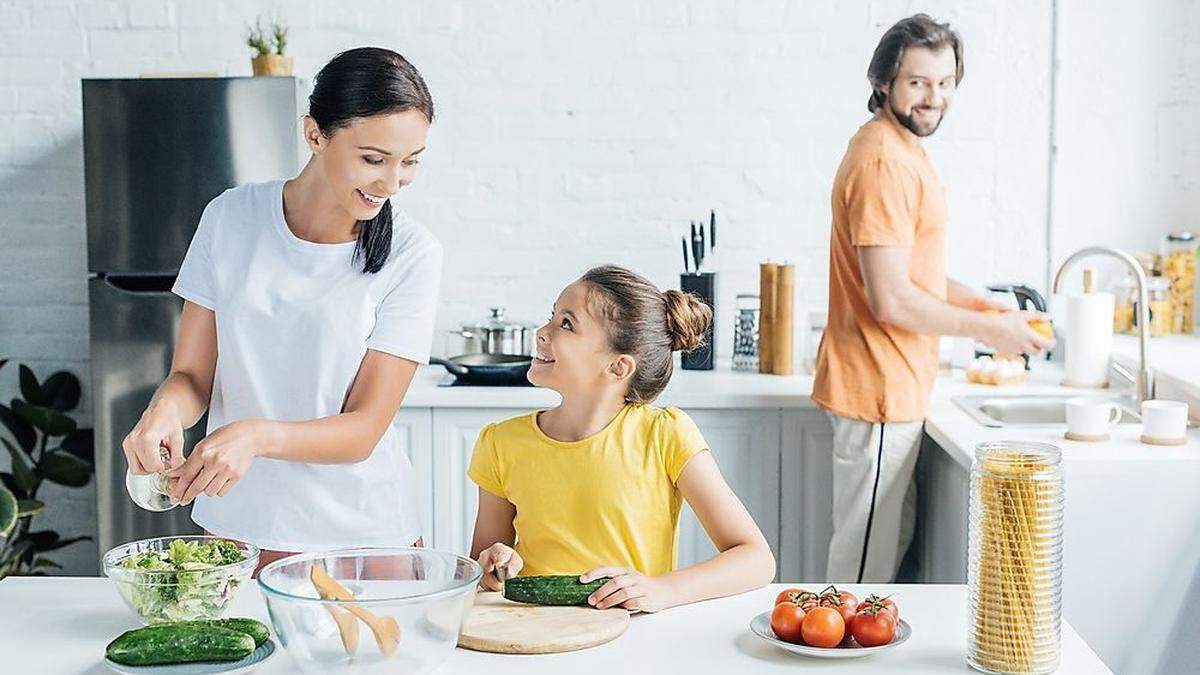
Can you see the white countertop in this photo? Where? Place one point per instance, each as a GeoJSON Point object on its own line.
{"type": "Point", "coordinates": [62, 624]}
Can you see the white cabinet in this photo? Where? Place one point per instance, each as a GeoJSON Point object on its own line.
{"type": "Point", "coordinates": [806, 495]}
{"type": "Point", "coordinates": [745, 444]}
{"type": "Point", "coordinates": [414, 428]}
{"type": "Point", "coordinates": [455, 497]}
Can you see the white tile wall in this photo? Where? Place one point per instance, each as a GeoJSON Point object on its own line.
{"type": "Point", "coordinates": [576, 133]}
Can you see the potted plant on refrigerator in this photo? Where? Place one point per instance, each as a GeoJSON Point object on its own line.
{"type": "Point", "coordinates": [45, 445]}
{"type": "Point", "coordinates": [270, 59]}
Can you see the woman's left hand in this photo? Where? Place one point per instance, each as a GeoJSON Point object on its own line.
{"type": "Point", "coordinates": [220, 460]}
{"type": "Point", "coordinates": [628, 589]}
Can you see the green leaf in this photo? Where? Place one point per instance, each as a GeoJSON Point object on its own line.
{"type": "Point", "coordinates": [61, 391]}
{"type": "Point", "coordinates": [66, 469]}
{"type": "Point", "coordinates": [29, 507]}
{"type": "Point", "coordinates": [8, 511]}
{"type": "Point", "coordinates": [82, 444]}
{"type": "Point", "coordinates": [50, 422]}
{"type": "Point", "coordinates": [22, 468]}
{"type": "Point", "coordinates": [19, 428]}
{"type": "Point", "coordinates": [46, 562]}
{"type": "Point", "coordinates": [30, 388]}
{"type": "Point", "coordinates": [8, 481]}
{"type": "Point", "coordinates": [48, 540]}
{"type": "Point", "coordinates": [19, 551]}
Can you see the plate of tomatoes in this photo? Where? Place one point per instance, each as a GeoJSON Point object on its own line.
{"type": "Point", "coordinates": [832, 624]}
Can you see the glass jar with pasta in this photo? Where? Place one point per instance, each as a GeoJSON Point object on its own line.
{"type": "Point", "coordinates": [1125, 298]}
{"type": "Point", "coordinates": [1179, 267]}
{"type": "Point", "coordinates": [1014, 562]}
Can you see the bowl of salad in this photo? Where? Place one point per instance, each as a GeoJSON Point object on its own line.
{"type": "Point", "coordinates": [180, 578]}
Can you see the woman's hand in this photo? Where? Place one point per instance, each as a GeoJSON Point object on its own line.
{"type": "Point", "coordinates": [630, 590]}
{"type": "Point", "coordinates": [159, 427]}
{"type": "Point", "coordinates": [219, 461]}
{"type": "Point", "coordinates": [498, 555]}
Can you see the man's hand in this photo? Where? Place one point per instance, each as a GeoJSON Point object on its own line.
{"type": "Point", "coordinates": [1010, 333]}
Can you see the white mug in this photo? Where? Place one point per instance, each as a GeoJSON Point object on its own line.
{"type": "Point", "coordinates": [1090, 416]}
{"type": "Point", "coordinates": [1164, 420]}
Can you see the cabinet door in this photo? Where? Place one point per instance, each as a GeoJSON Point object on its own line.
{"type": "Point", "coordinates": [745, 444]}
{"type": "Point", "coordinates": [414, 429]}
{"type": "Point", "coordinates": [456, 498]}
{"type": "Point", "coordinates": [806, 508]}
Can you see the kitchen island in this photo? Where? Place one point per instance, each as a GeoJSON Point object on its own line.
{"type": "Point", "coordinates": [61, 625]}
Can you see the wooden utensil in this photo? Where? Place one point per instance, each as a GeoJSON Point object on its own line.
{"type": "Point", "coordinates": [347, 627]}
{"type": "Point", "coordinates": [505, 627]}
{"type": "Point", "coordinates": [386, 629]}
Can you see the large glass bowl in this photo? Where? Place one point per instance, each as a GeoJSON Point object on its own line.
{"type": "Point", "coordinates": [161, 596]}
{"type": "Point", "coordinates": [427, 592]}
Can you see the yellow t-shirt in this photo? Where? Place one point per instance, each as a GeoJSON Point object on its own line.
{"type": "Point", "coordinates": [609, 499]}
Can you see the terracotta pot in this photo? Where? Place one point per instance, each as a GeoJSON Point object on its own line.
{"type": "Point", "coordinates": [272, 64]}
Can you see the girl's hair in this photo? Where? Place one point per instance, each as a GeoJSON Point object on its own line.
{"type": "Point", "coordinates": [919, 30]}
{"type": "Point", "coordinates": [646, 324]}
{"type": "Point", "coordinates": [364, 82]}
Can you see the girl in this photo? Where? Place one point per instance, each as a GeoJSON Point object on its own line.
{"type": "Point", "coordinates": [308, 307]}
{"type": "Point", "coordinates": [595, 485]}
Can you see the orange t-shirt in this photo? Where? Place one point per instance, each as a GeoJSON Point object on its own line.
{"type": "Point", "coordinates": [886, 193]}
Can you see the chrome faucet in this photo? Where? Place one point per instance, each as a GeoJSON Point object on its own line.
{"type": "Point", "coordinates": [1144, 379]}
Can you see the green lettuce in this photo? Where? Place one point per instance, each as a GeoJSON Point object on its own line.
{"type": "Point", "coordinates": [181, 583]}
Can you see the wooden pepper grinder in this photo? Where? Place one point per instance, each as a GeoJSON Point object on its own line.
{"type": "Point", "coordinates": [767, 273]}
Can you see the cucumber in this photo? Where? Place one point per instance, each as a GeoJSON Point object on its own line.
{"type": "Point", "coordinates": [252, 627]}
{"type": "Point", "coordinates": [173, 643]}
{"type": "Point", "coordinates": [551, 590]}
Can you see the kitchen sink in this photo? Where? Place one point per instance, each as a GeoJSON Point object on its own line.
{"type": "Point", "coordinates": [1012, 411]}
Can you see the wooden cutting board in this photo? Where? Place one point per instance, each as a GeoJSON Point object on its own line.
{"type": "Point", "coordinates": [505, 627]}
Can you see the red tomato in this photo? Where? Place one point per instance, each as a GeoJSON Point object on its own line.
{"type": "Point", "coordinates": [883, 604]}
{"type": "Point", "coordinates": [843, 601]}
{"type": "Point", "coordinates": [792, 595]}
{"type": "Point", "coordinates": [872, 628]}
{"type": "Point", "coordinates": [786, 620]}
{"type": "Point", "coordinates": [846, 597]}
{"type": "Point", "coordinates": [823, 627]}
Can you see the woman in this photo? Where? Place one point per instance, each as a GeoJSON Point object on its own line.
{"type": "Point", "coordinates": [308, 309]}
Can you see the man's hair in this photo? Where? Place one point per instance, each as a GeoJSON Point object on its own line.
{"type": "Point", "coordinates": [919, 30]}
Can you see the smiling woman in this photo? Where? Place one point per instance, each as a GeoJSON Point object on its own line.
{"type": "Point", "coordinates": [309, 306]}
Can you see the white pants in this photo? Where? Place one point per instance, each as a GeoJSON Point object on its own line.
{"type": "Point", "coordinates": [874, 498]}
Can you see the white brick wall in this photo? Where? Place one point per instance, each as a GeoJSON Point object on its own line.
{"type": "Point", "coordinates": [568, 134]}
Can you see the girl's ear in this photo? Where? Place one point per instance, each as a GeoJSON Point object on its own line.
{"type": "Point", "coordinates": [313, 136]}
{"type": "Point", "coordinates": [622, 368]}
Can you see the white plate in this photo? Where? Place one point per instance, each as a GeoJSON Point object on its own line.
{"type": "Point", "coordinates": [761, 626]}
{"type": "Point", "coordinates": [252, 660]}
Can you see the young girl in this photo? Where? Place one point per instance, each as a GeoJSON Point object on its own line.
{"type": "Point", "coordinates": [594, 486]}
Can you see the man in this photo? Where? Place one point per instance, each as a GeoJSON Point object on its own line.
{"type": "Point", "coordinates": [890, 299]}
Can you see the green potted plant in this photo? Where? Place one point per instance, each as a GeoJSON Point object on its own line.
{"type": "Point", "coordinates": [45, 445]}
{"type": "Point", "coordinates": [268, 47]}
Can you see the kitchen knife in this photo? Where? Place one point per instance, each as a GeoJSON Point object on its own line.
{"type": "Point", "coordinates": [683, 242]}
{"type": "Point", "coordinates": [712, 229]}
{"type": "Point", "coordinates": [697, 258]}
{"type": "Point", "coordinates": [703, 251]}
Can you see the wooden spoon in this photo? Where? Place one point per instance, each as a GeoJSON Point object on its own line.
{"type": "Point", "coordinates": [386, 629]}
{"type": "Point", "coordinates": [347, 627]}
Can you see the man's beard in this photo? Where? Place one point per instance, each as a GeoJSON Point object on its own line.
{"type": "Point", "coordinates": [918, 129]}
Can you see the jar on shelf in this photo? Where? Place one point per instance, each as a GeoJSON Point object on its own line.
{"type": "Point", "coordinates": [1125, 298]}
{"type": "Point", "coordinates": [1159, 291]}
{"type": "Point", "coordinates": [1179, 267]}
{"type": "Point", "coordinates": [1014, 562]}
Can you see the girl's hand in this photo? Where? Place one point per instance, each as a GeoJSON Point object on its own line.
{"type": "Point", "coordinates": [159, 427]}
{"type": "Point", "coordinates": [498, 555]}
{"type": "Point", "coordinates": [219, 461]}
{"type": "Point", "coordinates": [629, 589]}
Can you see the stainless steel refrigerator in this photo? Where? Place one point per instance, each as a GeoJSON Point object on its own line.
{"type": "Point", "coordinates": [155, 152]}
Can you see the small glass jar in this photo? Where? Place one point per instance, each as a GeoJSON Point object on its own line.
{"type": "Point", "coordinates": [1179, 267]}
{"type": "Point", "coordinates": [1014, 570]}
{"type": "Point", "coordinates": [1125, 298]}
{"type": "Point", "coordinates": [1161, 311]}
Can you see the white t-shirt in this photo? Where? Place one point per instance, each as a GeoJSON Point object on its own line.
{"type": "Point", "coordinates": [294, 320]}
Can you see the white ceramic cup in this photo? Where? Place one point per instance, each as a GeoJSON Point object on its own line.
{"type": "Point", "coordinates": [1164, 420]}
{"type": "Point", "coordinates": [1090, 416]}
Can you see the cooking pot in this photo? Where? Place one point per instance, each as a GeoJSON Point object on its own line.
{"type": "Point", "coordinates": [495, 335]}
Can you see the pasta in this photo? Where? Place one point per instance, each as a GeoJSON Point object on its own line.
{"type": "Point", "coordinates": [1015, 558]}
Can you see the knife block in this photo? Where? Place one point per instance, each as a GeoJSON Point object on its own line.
{"type": "Point", "coordinates": [704, 286]}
